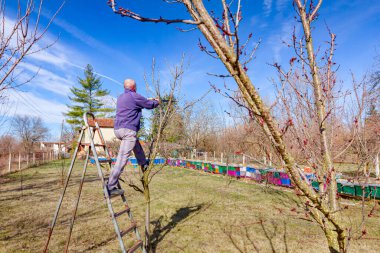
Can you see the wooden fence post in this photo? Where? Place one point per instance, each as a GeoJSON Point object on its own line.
{"type": "Point", "coordinates": [377, 170]}
{"type": "Point", "coordinates": [243, 160]}
{"type": "Point", "coordinates": [34, 158]}
{"type": "Point", "coordinates": [10, 162]}
{"type": "Point", "coordinates": [27, 160]}
{"type": "Point", "coordinates": [19, 161]}
{"type": "Point", "coordinates": [270, 159]}
{"type": "Point", "coordinates": [221, 157]}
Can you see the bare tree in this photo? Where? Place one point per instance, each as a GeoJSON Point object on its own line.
{"type": "Point", "coordinates": [8, 144]}
{"type": "Point", "coordinates": [29, 130]}
{"type": "Point", "coordinates": [200, 127]}
{"type": "Point", "coordinates": [222, 33]}
{"type": "Point", "coordinates": [19, 38]}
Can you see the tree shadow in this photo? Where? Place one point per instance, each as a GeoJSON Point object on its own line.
{"type": "Point", "coordinates": [181, 214]}
{"type": "Point", "coordinates": [244, 241]}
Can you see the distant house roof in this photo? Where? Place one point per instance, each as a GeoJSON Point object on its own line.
{"type": "Point", "coordinates": [103, 122]}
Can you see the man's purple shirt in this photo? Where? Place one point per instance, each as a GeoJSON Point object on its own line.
{"type": "Point", "coordinates": [128, 109]}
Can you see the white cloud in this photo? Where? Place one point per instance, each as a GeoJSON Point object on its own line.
{"type": "Point", "coordinates": [276, 40]}
{"type": "Point", "coordinates": [99, 74]}
{"type": "Point", "coordinates": [60, 60]}
{"type": "Point", "coordinates": [267, 7]}
{"type": "Point", "coordinates": [94, 43]}
{"type": "Point", "coordinates": [27, 103]}
{"type": "Point", "coordinates": [44, 79]}
{"type": "Point", "coordinates": [280, 4]}
{"type": "Point", "coordinates": [84, 37]}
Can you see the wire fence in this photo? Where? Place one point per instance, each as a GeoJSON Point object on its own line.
{"type": "Point", "coordinates": [229, 158]}
{"type": "Point", "coordinates": [13, 162]}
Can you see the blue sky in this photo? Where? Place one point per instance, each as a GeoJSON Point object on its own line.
{"type": "Point", "coordinates": [120, 48]}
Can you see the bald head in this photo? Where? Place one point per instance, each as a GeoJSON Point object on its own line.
{"type": "Point", "coordinates": [130, 84]}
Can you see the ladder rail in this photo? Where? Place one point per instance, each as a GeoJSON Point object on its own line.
{"type": "Point", "coordinates": [77, 201]}
{"type": "Point", "coordinates": [63, 192]}
{"type": "Point", "coordinates": [97, 128]}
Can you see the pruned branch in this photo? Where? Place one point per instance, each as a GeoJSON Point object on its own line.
{"type": "Point", "coordinates": [130, 14]}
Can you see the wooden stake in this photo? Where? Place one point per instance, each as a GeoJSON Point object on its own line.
{"type": "Point", "coordinates": [10, 162]}
{"type": "Point", "coordinates": [377, 170]}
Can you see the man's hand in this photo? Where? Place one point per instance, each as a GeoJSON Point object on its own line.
{"type": "Point", "coordinates": [157, 99]}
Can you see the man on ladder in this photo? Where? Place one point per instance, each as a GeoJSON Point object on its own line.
{"type": "Point", "coordinates": [127, 123]}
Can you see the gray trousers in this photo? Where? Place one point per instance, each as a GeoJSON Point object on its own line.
{"type": "Point", "coordinates": [129, 143]}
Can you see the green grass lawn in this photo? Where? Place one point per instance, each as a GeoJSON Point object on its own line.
{"type": "Point", "coordinates": [191, 212]}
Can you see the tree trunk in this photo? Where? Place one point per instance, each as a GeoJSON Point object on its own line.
{"type": "Point", "coordinates": [147, 217]}
{"type": "Point", "coordinates": [319, 101]}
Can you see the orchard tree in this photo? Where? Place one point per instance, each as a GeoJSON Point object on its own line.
{"type": "Point", "coordinates": [88, 97]}
{"type": "Point", "coordinates": [222, 34]}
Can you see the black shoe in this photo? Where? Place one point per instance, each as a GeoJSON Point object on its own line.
{"type": "Point", "coordinates": [115, 192]}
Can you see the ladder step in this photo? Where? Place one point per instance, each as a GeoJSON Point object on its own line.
{"type": "Point", "coordinates": [89, 144]}
{"type": "Point", "coordinates": [105, 160]}
{"type": "Point", "coordinates": [131, 228]}
{"type": "Point", "coordinates": [126, 210]}
{"type": "Point", "coordinates": [135, 247]}
{"type": "Point", "coordinates": [115, 195]}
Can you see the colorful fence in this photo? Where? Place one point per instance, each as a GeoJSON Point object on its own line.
{"type": "Point", "coordinates": [267, 175]}
{"type": "Point", "coordinates": [275, 177]}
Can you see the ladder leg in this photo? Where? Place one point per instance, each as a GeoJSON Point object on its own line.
{"type": "Point", "coordinates": [77, 201]}
{"type": "Point", "coordinates": [64, 191]}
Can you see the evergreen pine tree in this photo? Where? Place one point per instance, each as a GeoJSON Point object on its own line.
{"type": "Point", "coordinates": [87, 98]}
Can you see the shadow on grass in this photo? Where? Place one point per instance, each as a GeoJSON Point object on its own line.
{"type": "Point", "coordinates": [181, 214]}
{"type": "Point", "coordinates": [40, 188]}
{"type": "Point", "coordinates": [243, 239]}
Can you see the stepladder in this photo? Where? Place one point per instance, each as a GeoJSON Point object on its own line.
{"type": "Point", "coordinates": [91, 140]}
